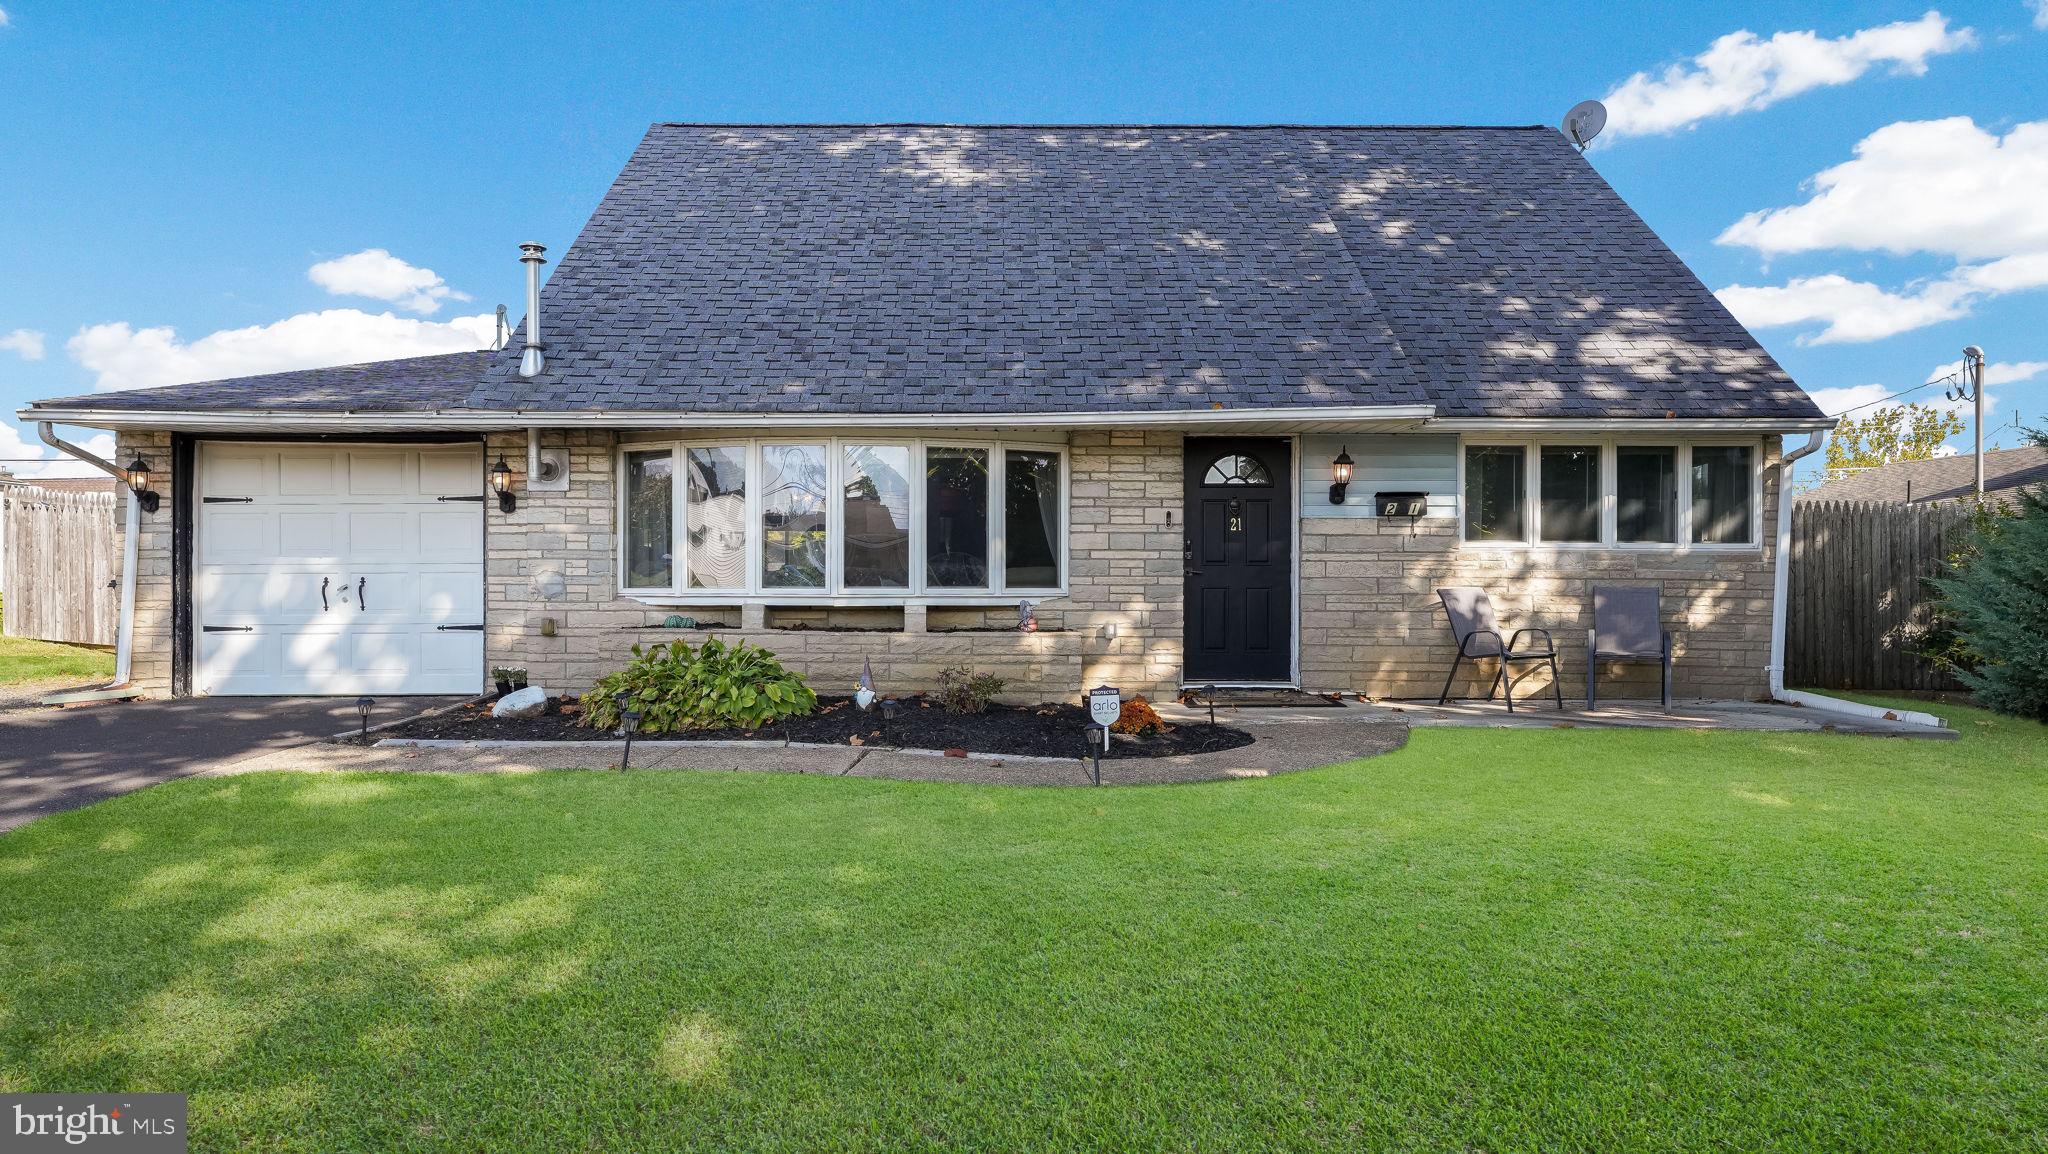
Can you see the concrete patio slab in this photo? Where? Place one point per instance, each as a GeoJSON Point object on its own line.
{"type": "Point", "coordinates": [1738, 715]}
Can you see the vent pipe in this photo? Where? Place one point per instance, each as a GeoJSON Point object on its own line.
{"type": "Point", "coordinates": [533, 359]}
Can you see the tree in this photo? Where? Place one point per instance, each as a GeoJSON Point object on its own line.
{"type": "Point", "coordinates": [1894, 433]}
{"type": "Point", "coordinates": [1998, 602]}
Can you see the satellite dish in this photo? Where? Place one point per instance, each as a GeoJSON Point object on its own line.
{"type": "Point", "coordinates": [1584, 122]}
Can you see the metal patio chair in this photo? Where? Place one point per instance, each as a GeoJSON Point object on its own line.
{"type": "Point", "coordinates": [1470, 613]}
{"type": "Point", "coordinates": [1626, 628]}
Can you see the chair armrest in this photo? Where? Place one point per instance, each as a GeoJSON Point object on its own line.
{"type": "Point", "coordinates": [1476, 632]}
{"type": "Point", "coordinates": [1516, 641]}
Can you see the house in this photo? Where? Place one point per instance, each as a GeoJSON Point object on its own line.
{"type": "Point", "coordinates": [2006, 472]}
{"type": "Point", "coordinates": [857, 392]}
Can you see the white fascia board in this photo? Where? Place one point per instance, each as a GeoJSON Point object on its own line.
{"type": "Point", "coordinates": [235, 420]}
{"type": "Point", "coordinates": [1646, 425]}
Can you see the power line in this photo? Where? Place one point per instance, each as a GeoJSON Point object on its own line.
{"type": "Point", "coordinates": [1950, 379]}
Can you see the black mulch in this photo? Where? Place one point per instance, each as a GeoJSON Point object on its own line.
{"type": "Point", "coordinates": [1034, 730]}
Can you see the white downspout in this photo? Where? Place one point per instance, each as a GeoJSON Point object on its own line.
{"type": "Point", "coordinates": [1781, 587]}
{"type": "Point", "coordinates": [124, 632]}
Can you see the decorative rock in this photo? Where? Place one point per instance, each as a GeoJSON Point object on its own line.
{"type": "Point", "coordinates": [529, 702]}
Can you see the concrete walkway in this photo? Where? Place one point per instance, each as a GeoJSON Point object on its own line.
{"type": "Point", "coordinates": [1743, 715]}
{"type": "Point", "coordinates": [1283, 745]}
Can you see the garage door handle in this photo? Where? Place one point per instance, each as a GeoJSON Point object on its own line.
{"type": "Point", "coordinates": [479, 497]}
{"type": "Point", "coordinates": [226, 500]}
{"type": "Point", "coordinates": [323, 593]}
{"type": "Point", "coordinates": [362, 606]}
{"type": "Point", "coordinates": [460, 628]}
{"type": "Point", "coordinates": [227, 629]}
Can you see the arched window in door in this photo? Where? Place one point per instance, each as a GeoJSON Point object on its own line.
{"type": "Point", "coordinates": [1237, 469]}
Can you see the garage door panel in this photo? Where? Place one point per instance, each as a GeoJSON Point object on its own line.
{"type": "Point", "coordinates": [237, 473]}
{"type": "Point", "coordinates": [231, 534]}
{"type": "Point", "coordinates": [377, 473]}
{"type": "Point", "coordinates": [450, 535]}
{"type": "Point", "coordinates": [305, 473]}
{"type": "Point", "coordinates": [309, 535]}
{"type": "Point", "coordinates": [451, 655]}
{"type": "Point", "coordinates": [450, 475]}
{"type": "Point", "coordinates": [364, 519]}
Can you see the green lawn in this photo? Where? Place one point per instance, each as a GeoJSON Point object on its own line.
{"type": "Point", "coordinates": [1491, 940]}
{"type": "Point", "coordinates": [25, 662]}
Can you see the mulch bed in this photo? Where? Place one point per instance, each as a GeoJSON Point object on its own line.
{"type": "Point", "coordinates": [1034, 730]}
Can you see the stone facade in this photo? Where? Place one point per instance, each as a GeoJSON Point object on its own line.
{"type": "Point", "coordinates": [150, 660]}
{"type": "Point", "coordinates": [1368, 616]}
{"type": "Point", "coordinates": [1371, 622]}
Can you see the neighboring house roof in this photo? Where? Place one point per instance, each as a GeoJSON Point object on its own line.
{"type": "Point", "coordinates": [1489, 272]}
{"type": "Point", "coordinates": [2006, 472]}
{"type": "Point", "coordinates": [69, 484]}
{"type": "Point", "coordinates": [410, 384]}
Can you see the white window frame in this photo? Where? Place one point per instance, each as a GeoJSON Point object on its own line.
{"type": "Point", "coordinates": [835, 592]}
{"type": "Point", "coordinates": [1532, 501]}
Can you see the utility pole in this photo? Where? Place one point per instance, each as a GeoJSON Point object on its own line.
{"type": "Point", "coordinates": [1973, 365]}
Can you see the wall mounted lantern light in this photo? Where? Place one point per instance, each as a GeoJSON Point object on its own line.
{"type": "Point", "coordinates": [1340, 475]}
{"type": "Point", "coordinates": [138, 483]}
{"type": "Point", "coordinates": [501, 483]}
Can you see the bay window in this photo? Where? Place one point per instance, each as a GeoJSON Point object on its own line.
{"type": "Point", "coordinates": [843, 519]}
{"type": "Point", "coordinates": [1594, 492]}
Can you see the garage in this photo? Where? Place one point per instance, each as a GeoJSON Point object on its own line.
{"type": "Point", "coordinates": [338, 569]}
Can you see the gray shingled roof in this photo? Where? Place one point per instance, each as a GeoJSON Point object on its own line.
{"type": "Point", "coordinates": [410, 384]}
{"type": "Point", "coordinates": [831, 269]}
{"type": "Point", "coordinates": [2006, 472]}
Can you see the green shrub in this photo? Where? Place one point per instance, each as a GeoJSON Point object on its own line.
{"type": "Point", "coordinates": [962, 690]}
{"type": "Point", "coordinates": [1998, 603]}
{"type": "Point", "coordinates": [715, 686]}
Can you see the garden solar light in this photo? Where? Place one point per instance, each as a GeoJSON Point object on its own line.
{"type": "Point", "coordinates": [501, 482]}
{"type": "Point", "coordinates": [629, 720]}
{"type": "Point", "coordinates": [363, 705]}
{"type": "Point", "coordinates": [138, 483]}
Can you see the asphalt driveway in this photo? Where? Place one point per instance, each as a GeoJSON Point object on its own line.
{"type": "Point", "coordinates": [57, 759]}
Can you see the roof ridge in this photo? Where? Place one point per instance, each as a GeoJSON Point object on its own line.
{"type": "Point", "coordinates": [1285, 126]}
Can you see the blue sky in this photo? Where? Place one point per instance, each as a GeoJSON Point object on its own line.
{"type": "Point", "coordinates": [199, 191]}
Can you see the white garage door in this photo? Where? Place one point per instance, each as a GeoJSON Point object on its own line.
{"type": "Point", "coordinates": [339, 569]}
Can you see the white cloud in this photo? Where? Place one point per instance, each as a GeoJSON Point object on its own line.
{"type": "Point", "coordinates": [2040, 8]}
{"type": "Point", "coordinates": [1995, 372]}
{"type": "Point", "coordinates": [28, 343]}
{"type": "Point", "coordinates": [13, 447]}
{"type": "Point", "coordinates": [129, 358]}
{"type": "Point", "coordinates": [5, 21]}
{"type": "Point", "coordinates": [1940, 187]}
{"type": "Point", "coordinates": [1851, 310]}
{"type": "Point", "coordinates": [1925, 186]}
{"type": "Point", "coordinates": [1837, 401]}
{"type": "Point", "coordinates": [1742, 72]}
{"type": "Point", "coordinates": [376, 274]}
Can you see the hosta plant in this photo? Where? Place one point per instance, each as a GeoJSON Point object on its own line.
{"type": "Point", "coordinates": [714, 686]}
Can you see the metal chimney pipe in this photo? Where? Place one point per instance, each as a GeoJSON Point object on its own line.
{"type": "Point", "coordinates": [534, 358]}
{"type": "Point", "coordinates": [1973, 358]}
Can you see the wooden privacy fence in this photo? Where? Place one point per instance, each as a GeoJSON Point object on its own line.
{"type": "Point", "coordinates": [1859, 607]}
{"type": "Point", "coordinates": [62, 563]}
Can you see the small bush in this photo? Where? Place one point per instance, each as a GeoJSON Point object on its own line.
{"type": "Point", "coordinates": [1137, 717]}
{"type": "Point", "coordinates": [714, 686]}
{"type": "Point", "coordinates": [962, 690]}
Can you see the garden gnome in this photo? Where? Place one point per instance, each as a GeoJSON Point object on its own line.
{"type": "Point", "coordinates": [865, 695]}
{"type": "Point", "coordinates": [1027, 619]}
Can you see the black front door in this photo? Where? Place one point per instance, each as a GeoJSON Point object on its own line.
{"type": "Point", "coordinates": [1240, 560]}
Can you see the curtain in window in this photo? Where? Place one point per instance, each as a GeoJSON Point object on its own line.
{"type": "Point", "coordinates": [715, 494]}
